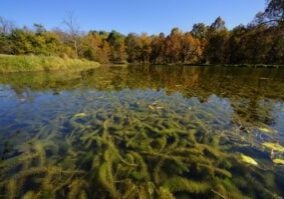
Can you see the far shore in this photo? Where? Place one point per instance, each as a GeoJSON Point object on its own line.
{"type": "Point", "coordinates": [32, 63]}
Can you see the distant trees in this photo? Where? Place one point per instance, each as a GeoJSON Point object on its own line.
{"type": "Point", "coordinates": [261, 41]}
{"type": "Point", "coordinates": [158, 47]}
{"type": "Point", "coordinates": [118, 49]}
{"type": "Point", "coordinates": [6, 27]}
{"type": "Point", "coordinates": [217, 38]}
{"type": "Point", "coordinates": [96, 47]}
{"type": "Point", "coordinates": [25, 41]}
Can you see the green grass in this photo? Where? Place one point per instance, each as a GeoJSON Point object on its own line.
{"type": "Point", "coordinates": [26, 63]}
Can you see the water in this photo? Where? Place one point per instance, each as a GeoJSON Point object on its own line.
{"type": "Point", "coordinates": [143, 132]}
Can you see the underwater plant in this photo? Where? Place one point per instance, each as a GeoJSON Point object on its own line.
{"type": "Point", "coordinates": [128, 143]}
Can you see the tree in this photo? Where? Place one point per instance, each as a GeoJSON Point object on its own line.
{"type": "Point", "coordinates": [236, 45]}
{"type": "Point", "coordinates": [192, 49]}
{"type": "Point", "coordinates": [217, 39]}
{"type": "Point", "coordinates": [73, 29]}
{"type": "Point", "coordinates": [146, 49]}
{"type": "Point", "coordinates": [6, 26]}
{"type": "Point", "coordinates": [158, 49]}
{"type": "Point", "coordinates": [218, 25]}
{"type": "Point", "coordinates": [5, 45]}
{"type": "Point", "coordinates": [20, 39]}
{"type": "Point", "coordinates": [199, 30]}
{"type": "Point", "coordinates": [275, 10]}
{"type": "Point", "coordinates": [5, 29]}
{"type": "Point", "coordinates": [174, 46]}
{"type": "Point", "coordinates": [117, 45]}
{"type": "Point", "coordinates": [39, 29]}
{"type": "Point", "coordinates": [133, 48]}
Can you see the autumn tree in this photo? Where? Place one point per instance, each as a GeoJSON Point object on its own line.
{"type": "Point", "coordinates": [174, 46]}
{"type": "Point", "coordinates": [261, 41]}
{"type": "Point", "coordinates": [146, 49]}
{"type": "Point", "coordinates": [217, 39]}
{"type": "Point", "coordinates": [96, 47]}
{"type": "Point", "coordinates": [191, 49]}
{"type": "Point", "coordinates": [117, 45]}
{"type": "Point", "coordinates": [158, 49]}
{"type": "Point", "coordinates": [133, 46]}
{"type": "Point", "coordinates": [199, 30]}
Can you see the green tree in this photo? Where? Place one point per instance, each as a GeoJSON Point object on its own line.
{"type": "Point", "coordinates": [199, 30]}
{"type": "Point", "coordinates": [134, 48]}
{"type": "Point", "coordinates": [236, 46]}
{"type": "Point", "coordinates": [158, 49]}
{"type": "Point", "coordinates": [118, 49]}
{"type": "Point", "coordinates": [218, 25]}
{"type": "Point", "coordinates": [20, 39]}
{"type": "Point", "coordinates": [217, 38]}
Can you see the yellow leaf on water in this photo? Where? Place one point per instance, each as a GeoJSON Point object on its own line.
{"type": "Point", "coordinates": [248, 160]}
{"type": "Point", "coordinates": [80, 115]}
{"type": "Point", "coordinates": [266, 130]}
{"type": "Point", "coordinates": [273, 146]}
{"type": "Point", "coordinates": [278, 161]}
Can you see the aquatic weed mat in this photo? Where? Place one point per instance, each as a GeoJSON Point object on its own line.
{"type": "Point", "coordinates": [138, 144]}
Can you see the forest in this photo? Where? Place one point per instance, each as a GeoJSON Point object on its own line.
{"type": "Point", "coordinates": [259, 42]}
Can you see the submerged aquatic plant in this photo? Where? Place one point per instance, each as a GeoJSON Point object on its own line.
{"type": "Point", "coordinates": [138, 144]}
{"type": "Point", "coordinates": [122, 154]}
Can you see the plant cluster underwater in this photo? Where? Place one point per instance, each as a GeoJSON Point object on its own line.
{"type": "Point", "coordinates": [105, 134]}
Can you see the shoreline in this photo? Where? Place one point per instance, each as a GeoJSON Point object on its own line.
{"type": "Point", "coordinates": [32, 63]}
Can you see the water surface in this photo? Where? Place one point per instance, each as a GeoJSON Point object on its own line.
{"type": "Point", "coordinates": [143, 132]}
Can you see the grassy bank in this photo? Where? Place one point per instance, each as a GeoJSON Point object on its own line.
{"type": "Point", "coordinates": [26, 63]}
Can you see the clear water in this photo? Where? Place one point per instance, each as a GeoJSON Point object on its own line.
{"type": "Point", "coordinates": [143, 132]}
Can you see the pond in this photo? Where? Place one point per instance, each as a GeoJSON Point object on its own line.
{"type": "Point", "coordinates": [143, 132]}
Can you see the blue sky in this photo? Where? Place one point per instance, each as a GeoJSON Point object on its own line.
{"type": "Point", "coordinates": [151, 16]}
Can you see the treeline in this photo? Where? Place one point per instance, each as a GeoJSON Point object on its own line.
{"type": "Point", "coordinates": [260, 42]}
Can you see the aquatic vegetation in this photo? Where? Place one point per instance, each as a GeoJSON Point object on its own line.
{"type": "Point", "coordinates": [125, 155]}
{"type": "Point", "coordinates": [125, 142]}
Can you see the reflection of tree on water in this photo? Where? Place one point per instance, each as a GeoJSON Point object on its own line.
{"type": "Point", "coordinates": [255, 109]}
{"type": "Point", "coordinates": [249, 90]}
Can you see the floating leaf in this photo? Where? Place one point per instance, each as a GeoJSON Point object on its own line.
{"type": "Point", "coordinates": [266, 130]}
{"type": "Point", "coordinates": [80, 115]}
{"type": "Point", "coordinates": [278, 161]}
{"type": "Point", "coordinates": [248, 160]}
{"type": "Point", "coordinates": [273, 146]}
